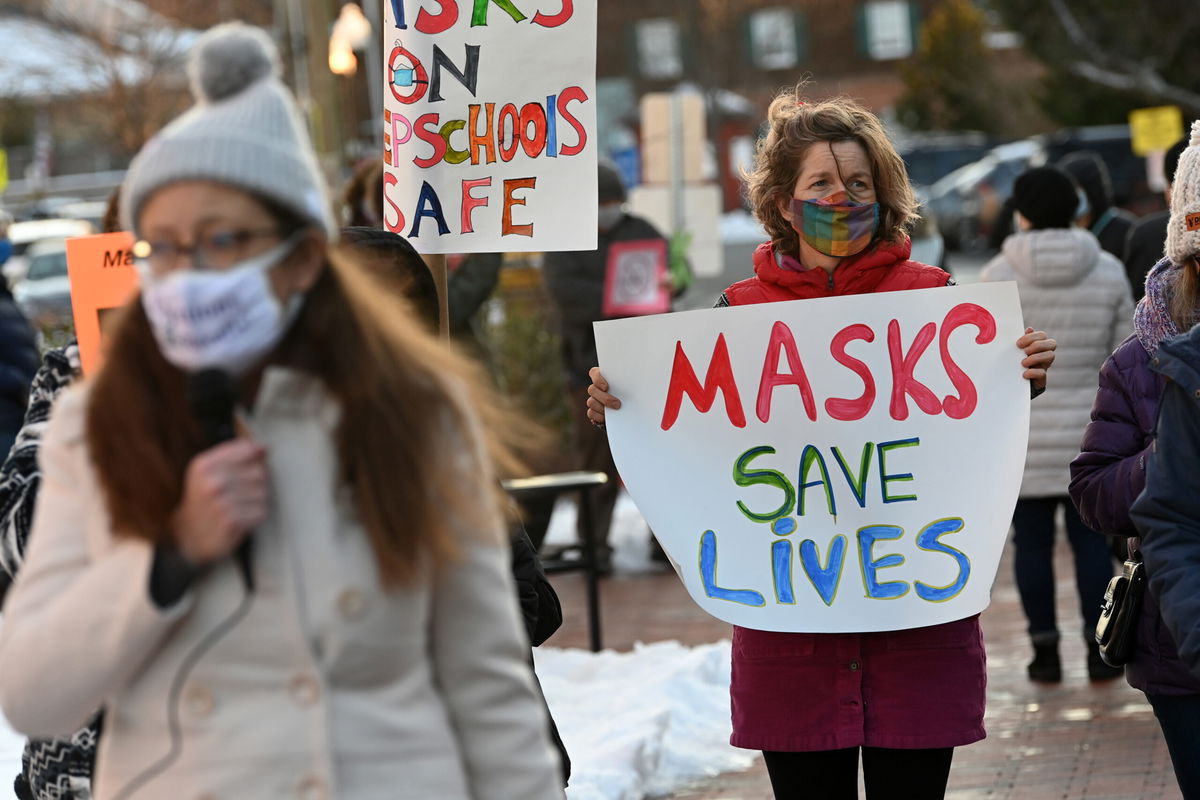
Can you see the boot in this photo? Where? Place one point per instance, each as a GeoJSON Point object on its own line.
{"type": "Point", "coordinates": [1097, 669]}
{"type": "Point", "coordinates": [1046, 666]}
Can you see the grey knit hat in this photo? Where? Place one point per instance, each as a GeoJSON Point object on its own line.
{"type": "Point", "coordinates": [244, 131]}
{"type": "Point", "coordinates": [1183, 229]}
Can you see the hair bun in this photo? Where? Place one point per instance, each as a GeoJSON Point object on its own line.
{"type": "Point", "coordinates": [229, 58]}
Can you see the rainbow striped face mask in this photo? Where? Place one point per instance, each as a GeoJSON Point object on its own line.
{"type": "Point", "coordinates": [835, 225]}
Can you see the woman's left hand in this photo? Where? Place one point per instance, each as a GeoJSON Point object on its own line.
{"type": "Point", "coordinates": [1039, 356]}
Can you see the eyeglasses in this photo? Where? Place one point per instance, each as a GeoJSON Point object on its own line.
{"type": "Point", "coordinates": [217, 250]}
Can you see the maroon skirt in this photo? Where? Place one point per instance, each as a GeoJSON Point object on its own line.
{"type": "Point", "coordinates": [917, 688]}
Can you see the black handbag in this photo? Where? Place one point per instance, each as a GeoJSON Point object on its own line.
{"type": "Point", "coordinates": [1120, 612]}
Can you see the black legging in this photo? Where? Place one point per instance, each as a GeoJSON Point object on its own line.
{"type": "Point", "coordinates": [833, 774]}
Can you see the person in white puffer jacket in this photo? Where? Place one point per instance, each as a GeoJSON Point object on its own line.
{"type": "Point", "coordinates": [1068, 285]}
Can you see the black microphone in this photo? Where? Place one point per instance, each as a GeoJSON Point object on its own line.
{"type": "Point", "coordinates": [212, 397]}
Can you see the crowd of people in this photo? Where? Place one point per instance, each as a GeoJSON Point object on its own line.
{"type": "Point", "coordinates": [264, 551]}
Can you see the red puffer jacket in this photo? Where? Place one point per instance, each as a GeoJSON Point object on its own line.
{"type": "Point", "coordinates": [918, 688]}
{"type": "Point", "coordinates": [885, 268]}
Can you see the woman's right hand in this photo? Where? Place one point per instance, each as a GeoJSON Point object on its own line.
{"type": "Point", "coordinates": [224, 499]}
{"type": "Point", "coordinates": [598, 397]}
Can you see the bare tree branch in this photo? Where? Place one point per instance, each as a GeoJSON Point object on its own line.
{"type": "Point", "coordinates": [1109, 69]}
{"type": "Point", "coordinates": [1146, 81]}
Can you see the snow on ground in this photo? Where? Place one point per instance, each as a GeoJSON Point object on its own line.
{"type": "Point", "coordinates": [643, 723]}
{"type": "Point", "coordinates": [11, 745]}
{"type": "Point", "coordinates": [637, 724]}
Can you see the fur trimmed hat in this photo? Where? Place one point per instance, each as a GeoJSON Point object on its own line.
{"type": "Point", "coordinates": [1183, 229]}
{"type": "Point", "coordinates": [244, 131]}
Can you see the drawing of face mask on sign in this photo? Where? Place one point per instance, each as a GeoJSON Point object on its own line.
{"type": "Point", "coordinates": [409, 78]}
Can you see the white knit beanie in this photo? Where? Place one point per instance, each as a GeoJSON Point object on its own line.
{"type": "Point", "coordinates": [1183, 230]}
{"type": "Point", "coordinates": [244, 131]}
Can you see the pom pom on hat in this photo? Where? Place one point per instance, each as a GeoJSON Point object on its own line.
{"type": "Point", "coordinates": [245, 131]}
{"type": "Point", "coordinates": [228, 58]}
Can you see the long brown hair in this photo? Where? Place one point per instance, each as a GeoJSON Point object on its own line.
{"type": "Point", "coordinates": [794, 126]}
{"type": "Point", "coordinates": [407, 439]}
{"type": "Point", "coordinates": [1185, 297]}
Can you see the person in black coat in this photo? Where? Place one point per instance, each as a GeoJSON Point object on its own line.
{"type": "Point", "coordinates": [1144, 245]}
{"type": "Point", "coordinates": [575, 281]}
{"type": "Point", "coordinates": [19, 362]}
{"type": "Point", "coordinates": [541, 613]}
{"type": "Point", "coordinates": [1167, 513]}
{"type": "Point", "coordinates": [1108, 223]}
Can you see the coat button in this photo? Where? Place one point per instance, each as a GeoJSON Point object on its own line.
{"type": "Point", "coordinates": [854, 665]}
{"type": "Point", "coordinates": [199, 700]}
{"type": "Point", "coordinates": [313, 788]}
{"type": "Point", "coordinates": [1154, 361]}
{"type": "Point", "coordinates": [304, 690]}
{"type": "Point", "coordinates": [352, 605]}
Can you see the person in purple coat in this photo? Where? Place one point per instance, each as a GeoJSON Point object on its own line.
{"type": "Point", "coordinates": [1110, 472]}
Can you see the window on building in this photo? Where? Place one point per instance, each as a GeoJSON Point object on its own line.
{"type": "Point", "coordinates": [888, 29]}
{"type": "Point", "coordinates": [776, 38]}
{"type": "Point", "coordinates": [659, 49]}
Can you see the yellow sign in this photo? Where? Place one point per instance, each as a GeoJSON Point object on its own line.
{"type": "Point", "coordinates": [1155, 128]}
{"type": "Point", "coordinates": [3, 170]}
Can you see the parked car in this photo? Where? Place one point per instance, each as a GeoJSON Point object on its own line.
{"type": "Point", "coordinates": [928, 244]}
{"type": "Point", "coordinates": [1113, 144]}
{"type": "Point", "coordinates": [90, 211]}
{"type": "Point", "coordinates": [44, 294]}
{"type": "Point", "coordinates": [967, 202]}
{"type": "Point", "coordinates": [25, 234]}
{"type": "Point", "coordinates": [931, 157]}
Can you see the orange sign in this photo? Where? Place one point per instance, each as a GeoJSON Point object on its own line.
{"type": "Point", "coordinates": [103, 278]}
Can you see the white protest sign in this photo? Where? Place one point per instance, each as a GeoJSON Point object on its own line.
{"type": "Point", "coordinates": [842, 464]}
{"type": "Point", "coordinates": [490, 124]}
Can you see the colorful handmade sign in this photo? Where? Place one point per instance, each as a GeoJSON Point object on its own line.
{"type": "Point", "coordinates": [842, 464]}
{"type": "Point", "coordinates": [490, 124]}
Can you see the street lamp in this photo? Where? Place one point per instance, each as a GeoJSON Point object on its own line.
{"type": "Point", "coordinates": [342, 60]}
{"type": "Point", "coordinates": [351, 31]}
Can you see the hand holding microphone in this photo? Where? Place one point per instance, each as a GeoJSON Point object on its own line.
{"type": "Point", "coordinates": [224, 500]}
{"type": "Point", "coordinates": [225, 487]}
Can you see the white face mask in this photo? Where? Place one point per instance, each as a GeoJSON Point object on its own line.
{"type": "Point", "coordinates": [608, 215]}
{"type": "Point", "coordinates": [228, 319]}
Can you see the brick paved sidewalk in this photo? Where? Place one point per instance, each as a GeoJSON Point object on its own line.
{"type": "Point", "coordinates": [1073, 740]}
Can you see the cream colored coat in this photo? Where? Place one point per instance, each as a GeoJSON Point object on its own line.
{"type": "Point", "coordinates": [1079, 295]}
{"type": "Point", "coordinates": [330, 688]}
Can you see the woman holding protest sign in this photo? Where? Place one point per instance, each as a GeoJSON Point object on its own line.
{"type": "Point", "coordinates": [365, 641]}
{"type": "Point", "coordinates": [834, 196]}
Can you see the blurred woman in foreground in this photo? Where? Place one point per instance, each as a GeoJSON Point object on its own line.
{"type": "Point", "coordinates": [366, 643]}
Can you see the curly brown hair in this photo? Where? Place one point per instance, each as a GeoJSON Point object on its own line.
{"type": "Point", "coordinates": [795, 126]}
